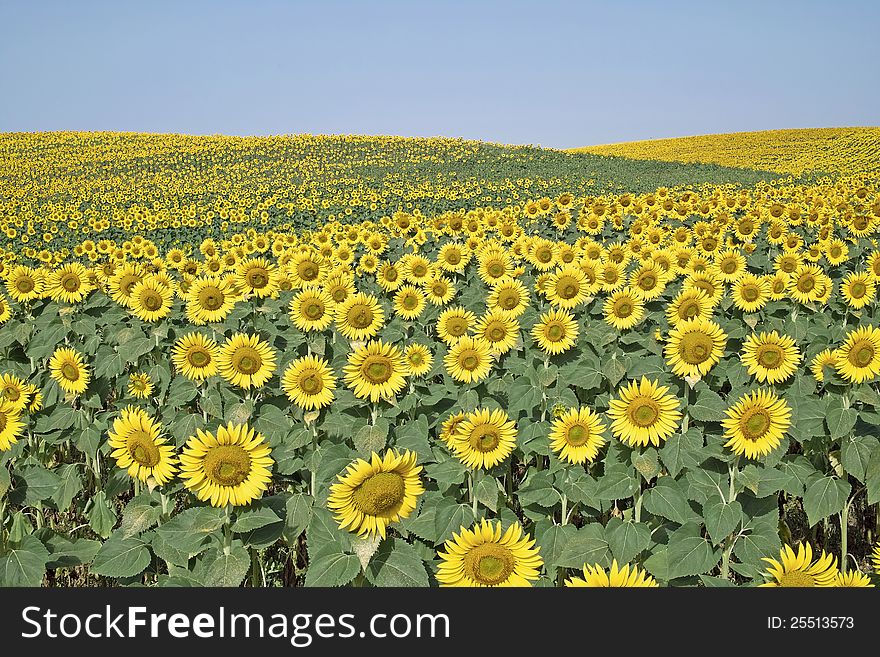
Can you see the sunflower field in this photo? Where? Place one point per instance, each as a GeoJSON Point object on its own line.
{"type": "Point", "coordinates": [378, 361]}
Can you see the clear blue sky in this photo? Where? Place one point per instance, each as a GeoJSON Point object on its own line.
{"type": "Point", "coordinates": [544, 72]}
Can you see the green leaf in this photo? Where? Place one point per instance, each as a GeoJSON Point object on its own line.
{"type": "Point", "coordinates": [452, 518]}
{"type": "Point", "coordinates": [855, 454]}
{"type": "Point", "coordinates": [65, 553]}
{"type": "Point", "coordinates": [552, 540]}
{"type": "Point", "coordinates": [371, 438]}
{"type": "Point", "coordinates": [140, 514]}
{"type": "Point", "coordinates": [825, 496]}
{"type": "Point", "coordinates": [616, 485]}
{"type": "Point", "coordinates": [121, 557]}
{"type": "Point", "coordinates": [627, 539]}
{"type": "Point", "coordinates": [228, 569]}
{"type": "Point", "coordinates": [68, 488]}
{"type": "Point", "coordinates": [682, 451]}
{"type": "Point", "coordinates": [332, 570]}
{"type": "Point", "coordinates": [25, 564]}
{"type": "Point", "coordinates": [131, 350]}
{"type": "Point", "coordinates": [180, 392]}
{"type": "Point", "coordinates": [667, 500]}
{"type": "Point", "coordinates": [839, 420]}
{"type": "Point", "coordinates": [721, 518]}
{"type": "Point", "coordinates": [299, 513]}
{"type": "Point", "coordinates": [253, 518]}
{"type": "Point", "coordinates": [396, 563]}
{"type": "Point", "coordinates": [690, 555]}
{"type": "Point", "coordinates": [101, 516]}
{"type": "Point", "coordinates": [274, 424]}
{"type": "Point", "coordinates": [872, 476]}
{"type": "Point", "coordinates": [709, 407]}
{"type": "Point", "coordinates": [587, 546]}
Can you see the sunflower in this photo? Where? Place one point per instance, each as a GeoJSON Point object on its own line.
{"type": "Point", "coordinates": [233, 467]}
{"type": "Point", "coordinates": [825, 358]}
{"type": "Point", "coordinates": [511, 296]}
{"type": "Point", "coordinates": [730, 265]}
{"type": "Point", "coordinates": [858, 289]}
{"type": "Point", "coordinates": [779, 283]}
{"type": "Point", "coordinates": [307, 268]}
{"type": "Point", "coordinates": [137, 446]}
{"type": "Point", "coordinates": [484, 438]}
{"type": "Point", "coordinates": [624, 309]}
{"type": "Point", "coordinates": [151, 300]}
{"type": "Point", "coordinates": [645, 413]}
{"type": "Point", "coordinates": [875, 558]}
{"type": "Point", "coordinates": [339, 286]}
{"type": "Point", "coordinates": [576, 435]}
{"type": "Point", "coordinates": [689, 305]}
{"type": "Point", "coordinates": [259, 277]}
{"type": "Point", "coordinates": [853, 579]}
{"type": "Point", "coordinates": [309, 382]}
{"type": "Point", "coordinates": [360, 317]}
{"type": "Point", "coordinates": [556, 332]}
{"type": "Point", "coordinates": [751, 293]}
{"type": "Point", "coordinates": [370, 495]}
{"type": "Point", "coordinates": [389, 277]}
{"type": "Point", "coordinates": [628, 576]}
{"type": "Point", "coordinates": [246, 361]}
{"type": "Point", "coordinates": [499, 329]}
{"type": "Point", "coordinates": [14, 391]}
{"type": "Point", "coordinates": [770, 357]}
{"type": "Point", "coordinates": [140, 385]}
{"type": "Point", "coordinates": [195, 356]}
{"type": "Point", "coordinates": [311, 310]}
{"type": "Point", "coordinates": [375, 370]}
{"type": "Point", "coordinates": [469, 360]}
{"type": "Point", "coordinates": [419, 359]}
{"type": "Point", "coordinates": [804, 284]}
{"type": "Point", "coordinates": [799, 569]}
{"type": "Point", "coordinates": [70, 283]}
{"type": "Point", "coordinates": [707, 281]}
{"type": "Point", "coordinates": [24, 283]}
{"type": "Point", "coordinates": [755, 425]}
{"type": "Point", "coordinates": [694, 347]}
{"type": "Point", "coordinates": [209, 300]}
{"type": "Point", "coordinates": [485, 555]}
{"type": "Point", "coordinates": [648, 281]}
{"type": "Point", "coordinates": [11, 425]}
{"type": "Point", "coordinates": [409, 302]}
{"type": "Point", "coordinates": [452, 257]}
{"type": "Point", "coordinates": [858, 359]}
{"type": "Point", "coordinates": [568, 287]}
{"type": "Point", "coordinates": [70, 372]}
{"type": "Point", "coordinates": [450, 424]}
{"type": "Point", "coordinates": [454, 323]}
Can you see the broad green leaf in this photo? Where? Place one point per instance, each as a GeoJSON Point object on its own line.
{"type": "Point", "coordinates": [667, 500]}
{"type": "Point", "coordinates": [396, 563]}
{"type": "Point", "coordinates": [627, 539]}
{"type": "Point", "coordinates": [682, 451]}
{"type": "Point", "coordinates": [121, 557]}
{"type": "Point", "coordinates": [588, 546]}
{"type": "Point", "coordinates": [371, 439]}
{"type": "Point", "coordinates": [709, 407]}
{"type": "Point", "coordinates": [825, 496]}
{"type": "Point", "coordinates": [101, 517]}
{"type": "Point", "coordinates": [721, 518]}
{"type": "Point", "coordinates": [24, 564]}
{"type": "Point", "coordinates": [228, 569]}
{"type": "Point", "coordinates": [855, 454]}
{"type": "Point", "coordinates": [332, 570]}
{"type": "Point", "coordinates": [690, 555]}
{"type": "Point", "coordinates": [299, 513]}
{"type": "Point", "coordinates": [253, 518]}
{"type": "Point", "coordinates": [140, 514]}
{"type": "Point", "coordinates": [552, 540]}
{"type": "Point", "coordinates": [839, 420]}
{"type": "Point", "coordinates": [66, 553]}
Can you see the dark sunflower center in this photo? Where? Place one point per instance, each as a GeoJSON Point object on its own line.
{"type": "Point", "coordinates": [142, 449]}
{"type": "Point", "coordinates": [227, 465]}
{"type": "Point", "coordinates": [577, 435]}
{"type": "Point", "coordinates": [770, 356]}
{"type": "Point", "coordinates": [806, 283]}
{"type": "Point", "coordinates": [647, 281]}
{"type": "Point", "coordinates": [71, 282]}
{"type": "Point", "coordinates": [311, 382]}
{"type": "Point", "coordinates": [211, 298]}
{"type": "Point", "coordinates": [307, 270]}
{"type": "Point", "coordinates": [380, 494]}
{"type": "Point", "coordinates": [438, 289]}
{"type": "Point", "coordinates": [70, 372]}
{"type": "Point", "coordinates": [152, 301]}
{"type": "Point", "coordinates": [360, 316]}
{"type": "Point", "coordinates": [567, 287]}
{"type": "Point", "coordinates": [391, 275]}
{"type": "Point", "coordinates": [456, 327]}
{"type": "Point", "coordinates": [377, 369]}
{"type": "Point", "coordinates": [643, 411]}
{"type": "Point", "coordinates": [484, 438]}
{"type": "Point", "coordinates": [755, 423]}
{"type": "Point", "coordinates": [750, 293]}
{"type": "Point", "coordinates": [861, 354]}
{"type": "Point", "coordinates": [409, 302]}
{"type": "Point", "coordinates": [554, 332]}
{"type": "Point", "coordinates": [623, 308]}
{"type": "Point", "coordinates": [469, 360]}
{"type": "Point", "coordinates": [25, 285]}
{"type": "Point", "coordinates": [12, 393]}
{"type": "Point", "coordinates": [258, 278]}
{"type": "Point", "coordinates": [453, 257]}
{"type": "Point", "coordinates": [419, 270]}
{"type": "Point", "coordinates": [489, 564]}
{"type": "Point", "coordinates": [313, 310]}
{"type": "Point", "coordinates": [198, 357]}
{"type": "Point", "coordinates": [695, 347]}
{"type": "Point", "coordinates": [339, 293]}
{"type": "Point", "coordinates": [128, 283]}
{"type": "Point", "coordinates": [544, 255]}
{"type": "Point", "coordinates": [247, 360]}
{"type": "Point", "coordinates": [495, 269]}
{"type": "Point", "coordinates": [728, 266]}
{"type": "Point", "coordinates": [858, 290]}
{"type": "Point", "coordinates": [496, 332]}
{"type": "Point", "coordinates": [689, 310]}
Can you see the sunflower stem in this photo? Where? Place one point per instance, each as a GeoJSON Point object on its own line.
{"type": "Point", "coordinates": [564, 516]}
{"type": "Point", "coordinates": [844, 527]}
{"type": "Point", "coordinates": [637, 504]}
{"type": "Point", "coordinates": [256, 570]}
{"type": "Point", "coordinates": [472, 492]}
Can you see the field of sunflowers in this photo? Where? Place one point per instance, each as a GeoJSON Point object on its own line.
{"type": "Point", "coordinates": [377, 361]}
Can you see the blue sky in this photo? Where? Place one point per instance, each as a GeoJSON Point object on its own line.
{"type": "Point", "coordinates": [545, 72]}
